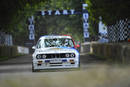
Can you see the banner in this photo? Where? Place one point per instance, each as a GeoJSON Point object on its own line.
{"type": "Point", "coordinates": [31, 28]}
{"type": "Point", "coordinates": [85, 21]}
{"type": "Point", "coordinates": [86, 34]}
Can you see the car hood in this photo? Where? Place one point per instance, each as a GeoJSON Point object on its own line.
{"type": "Point", "coordinates": [56, 50]}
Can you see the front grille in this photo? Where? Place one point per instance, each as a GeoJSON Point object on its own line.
{"type": "Point", "coordinates": [55, 55]}
{"type": "Point", "coordinates": [58, 55]}
{"type": "Point", "coordinates": [61, 55]}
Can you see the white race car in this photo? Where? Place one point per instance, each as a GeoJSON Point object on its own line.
{"type": "Point", "coordinates": [55, 51]}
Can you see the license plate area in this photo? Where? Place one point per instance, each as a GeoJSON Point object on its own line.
{"type": "Point", "coordinates": [56, 61]}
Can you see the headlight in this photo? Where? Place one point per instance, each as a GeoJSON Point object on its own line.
{"type": "Point", "coordinates": [72, 55]}
{"type": "Point", "coordinates": [38, 56]}
{"type": "Point", "coordinates": [67, 55]}
{"type": "Point", "coordinates": [43, 56]}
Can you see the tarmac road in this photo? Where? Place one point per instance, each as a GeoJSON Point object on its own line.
{"type": "Point", "coordinates": [94, 72]}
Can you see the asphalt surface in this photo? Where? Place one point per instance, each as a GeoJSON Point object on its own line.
{"type": "Point", "coordinates": [93, 72]}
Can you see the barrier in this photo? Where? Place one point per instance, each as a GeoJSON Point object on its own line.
{"type": "Point", "coordinates": [7, 52]}
{"type": "Point", "coordinates": [85, 47]}
{"type": "Point", "coordinates": [114, 51]}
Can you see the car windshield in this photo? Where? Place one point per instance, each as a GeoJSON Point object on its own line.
{"type": "Point", "coordinates": [59, 42]}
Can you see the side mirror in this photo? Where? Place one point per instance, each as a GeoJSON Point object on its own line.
{"type": "Point", "coordinates": [129, 40]}
{"type": "Point", "coordinates": [77, 46]}
{"type": "Point", "coordinates": [34, 47]}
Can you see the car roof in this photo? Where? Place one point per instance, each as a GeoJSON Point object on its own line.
{"type": "Point", "coordinates": [54, 36]}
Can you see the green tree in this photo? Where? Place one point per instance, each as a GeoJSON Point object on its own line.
{"type": "Point", "coordinates": [14, 15]}
{"type": "Point", "coordinates": [110, 10]}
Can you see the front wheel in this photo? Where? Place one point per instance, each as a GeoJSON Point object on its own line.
{"type": "Point", "coordinates": [33, 70]}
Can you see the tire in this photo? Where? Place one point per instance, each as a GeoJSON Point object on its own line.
{"type": "Point", "coordinates": [33, 70]}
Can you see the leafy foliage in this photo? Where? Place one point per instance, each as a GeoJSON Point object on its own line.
{"type": "Point", "coordinates": [14, 15]}
{"type": "Point", "coordinates": [110, 10]}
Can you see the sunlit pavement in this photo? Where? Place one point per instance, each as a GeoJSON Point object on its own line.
{"type": "Point", "coordinates": [93, 73]}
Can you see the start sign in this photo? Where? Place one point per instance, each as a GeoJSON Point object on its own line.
{"type": "Point", "coordinates": [58, 12]}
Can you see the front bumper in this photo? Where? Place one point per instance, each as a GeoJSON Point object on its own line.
{"type": "Point", "coordinates": [51, 64]}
